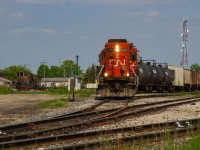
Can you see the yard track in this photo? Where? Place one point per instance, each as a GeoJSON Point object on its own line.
{"type": "Point", "coordinates": [87, 112]}
{"type": "Point", "coordinates": [113, 117]}
{"type": "Point", "coordinates": [96, 138]}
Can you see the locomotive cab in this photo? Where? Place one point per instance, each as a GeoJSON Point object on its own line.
{"type": "Point", "coordinates": [118, 74]}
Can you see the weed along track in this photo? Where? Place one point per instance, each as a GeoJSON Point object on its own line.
{"type": "Point", "coordinates": [91, 139]}
{"type": "Point", "coordinates": [82, 121]}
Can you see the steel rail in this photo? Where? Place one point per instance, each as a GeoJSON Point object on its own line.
{"type": "Point", "coordinates": [136, 138]}
{"type": "Point", "coordinates": [86, 124]}
{"type": "Point", "coordinates": [31, 125]}
{"type": "Point", "coordinates": [58, 118]}
{"type": "Point", "coordinates": [91, 134]}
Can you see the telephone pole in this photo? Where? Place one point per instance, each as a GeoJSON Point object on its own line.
{"type": "Point", "coordinates": [43, 62]}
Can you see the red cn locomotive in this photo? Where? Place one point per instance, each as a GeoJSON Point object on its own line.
{"type": "Point", "coordinates": [118, 73]}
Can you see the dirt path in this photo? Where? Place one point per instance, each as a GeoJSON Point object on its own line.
{"type": "Point", "coordinates": [17, 106]}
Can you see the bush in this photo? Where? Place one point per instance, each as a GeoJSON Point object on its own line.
{"type": "Point", "coordinates": [6, 89]}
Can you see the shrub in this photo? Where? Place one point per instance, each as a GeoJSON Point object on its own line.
{"type": "Point", "coordinates": [6, 89]}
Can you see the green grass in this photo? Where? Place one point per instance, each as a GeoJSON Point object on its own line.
{"type": "Point", "coordinates": [52, 104]}
{"type": "Point", "coordinates": [62, 103]}
{"type": "Point", "coordinates": [192, 144]}
{"type": "Point", "coordinates": [6, 89]}
{"type": "Point", "coordinates": [85, 92]}
{"type": "Point", "coordinates": [193, 94]}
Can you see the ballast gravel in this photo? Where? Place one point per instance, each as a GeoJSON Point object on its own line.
{"type": "Point", "coordinates": [27, 112]}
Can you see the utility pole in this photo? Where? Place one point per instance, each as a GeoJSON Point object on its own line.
{"type": "Point", "coordinates": [43, 62]}
{"type": "Point", "coordinates": [184, 50]}
{"type": "Point", "coordinates": [77, 57]}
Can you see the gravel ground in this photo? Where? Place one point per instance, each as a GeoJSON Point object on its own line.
{"type": "Point", "coordinates": [15, 108]}
{"type": "Point", "coordinates": [20, 108]}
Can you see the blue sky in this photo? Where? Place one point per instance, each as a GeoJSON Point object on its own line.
{"type": "Point", "coordinates": [35, 30]}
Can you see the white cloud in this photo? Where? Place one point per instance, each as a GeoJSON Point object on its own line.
{"type": "Point", "coordinates": [111, 2]}
{"type": "Point", "coordinates": [18, 31]}
{"type": "Point", "coordinates": [21, 31]}
{"type": "Point", "coordinates": [153, 14]}
{"type": "Point", "coordinates": [129, 2]}
{"type": "Point", "coordinates": [17, 15]}
{"type": "Point", "coordinates": [150, 14]}
{"type": "Point", "coordinates": [40, 1]}
{"type": "Point", "coordinates": [47, 31]}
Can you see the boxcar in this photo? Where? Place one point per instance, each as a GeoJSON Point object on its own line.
{"type": "Point", "coordinates": [195, 77]}
{"type": "Point", "coordinates": [178, 82]}
{"type": "Point", "coordinates": [187, 80]}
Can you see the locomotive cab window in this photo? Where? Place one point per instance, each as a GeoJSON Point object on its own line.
{"type": "Point", "coordinates": [110, 50]}
{"type": "Point", "coordinates": [123, 50]}
{"type": "Point", "coordinates": [133, 56]}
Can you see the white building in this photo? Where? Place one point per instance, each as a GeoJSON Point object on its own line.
{"type": "Point", "coordinates": [54, 82]}
{"type": "Point", "coordinates": [4, 81]}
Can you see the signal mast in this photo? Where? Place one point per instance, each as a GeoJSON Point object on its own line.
{"type": "Point", "coordinates": [184, 50]}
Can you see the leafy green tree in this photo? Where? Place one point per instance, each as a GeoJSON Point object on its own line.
{"type": "Point", "coordinates": [195, 67]}
{"type": "Point", "coordinates": [64, 70]}
{"type": "Point", "coordinates": [90, 75]}
{"type": "Point", "coordinates": [86, 78]}
{"type": "Point", "coordinates": [55, 71]}
{"type": "Point", "coordinates": [69, 67]}
{"type": "Point", "coordinates": [43, 71]}
{"type": "Point", "coordinates": [10, 72]}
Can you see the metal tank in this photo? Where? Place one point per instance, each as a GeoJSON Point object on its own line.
{"type": "Point", "coordinates": [169, 76]}
{"type": "Point", "coordinates": [145, 73]}
{"type": "Point", "coordinates": [161, 75]}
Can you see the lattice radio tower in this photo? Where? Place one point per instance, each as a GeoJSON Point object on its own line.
{"type": "Point", "coordinates": [184, 49]}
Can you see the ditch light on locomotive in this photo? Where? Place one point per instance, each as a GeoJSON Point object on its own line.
{"type": "Point", "coordinates": [118, 74]}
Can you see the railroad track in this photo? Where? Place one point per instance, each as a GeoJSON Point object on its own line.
{"type": "Point", "coordinates": [69, 119]}
{"type": "Point", "coordinates": [66, 119]}
{"type": "Point", "coordinates": [133, 112]}
{"type": "Point", "coordinates": [96, 138]}
{"type": "Point", "coordinates": [77, 114]}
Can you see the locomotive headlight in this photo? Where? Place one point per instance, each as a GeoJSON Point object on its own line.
{"type": "Point", "coordinates": [117, 48]}
{"type": "Point", "coordinates": [127, 74]}
{"type": "Point", "coordinates": [106, 74]}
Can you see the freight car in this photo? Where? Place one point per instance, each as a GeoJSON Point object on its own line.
{"type": "Point", "coordinates": [118, 74]}
{"type": "Point", "coordinates": [191, 80]}
{"type": "Point", "coordinates": [123, 74]}
{"type": "Point", "coordinates": [155, 77]}
{"type": "Point", "coordinates": [25, 81]}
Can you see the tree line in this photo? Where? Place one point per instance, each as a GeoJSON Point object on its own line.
{"type": "Point", "coordinates": [66, 69]}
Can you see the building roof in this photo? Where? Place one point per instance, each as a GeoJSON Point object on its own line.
{"type": "Point", "coordinates": [5, 80]}
{"type": "Point", "coordinates": [54, 79]}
